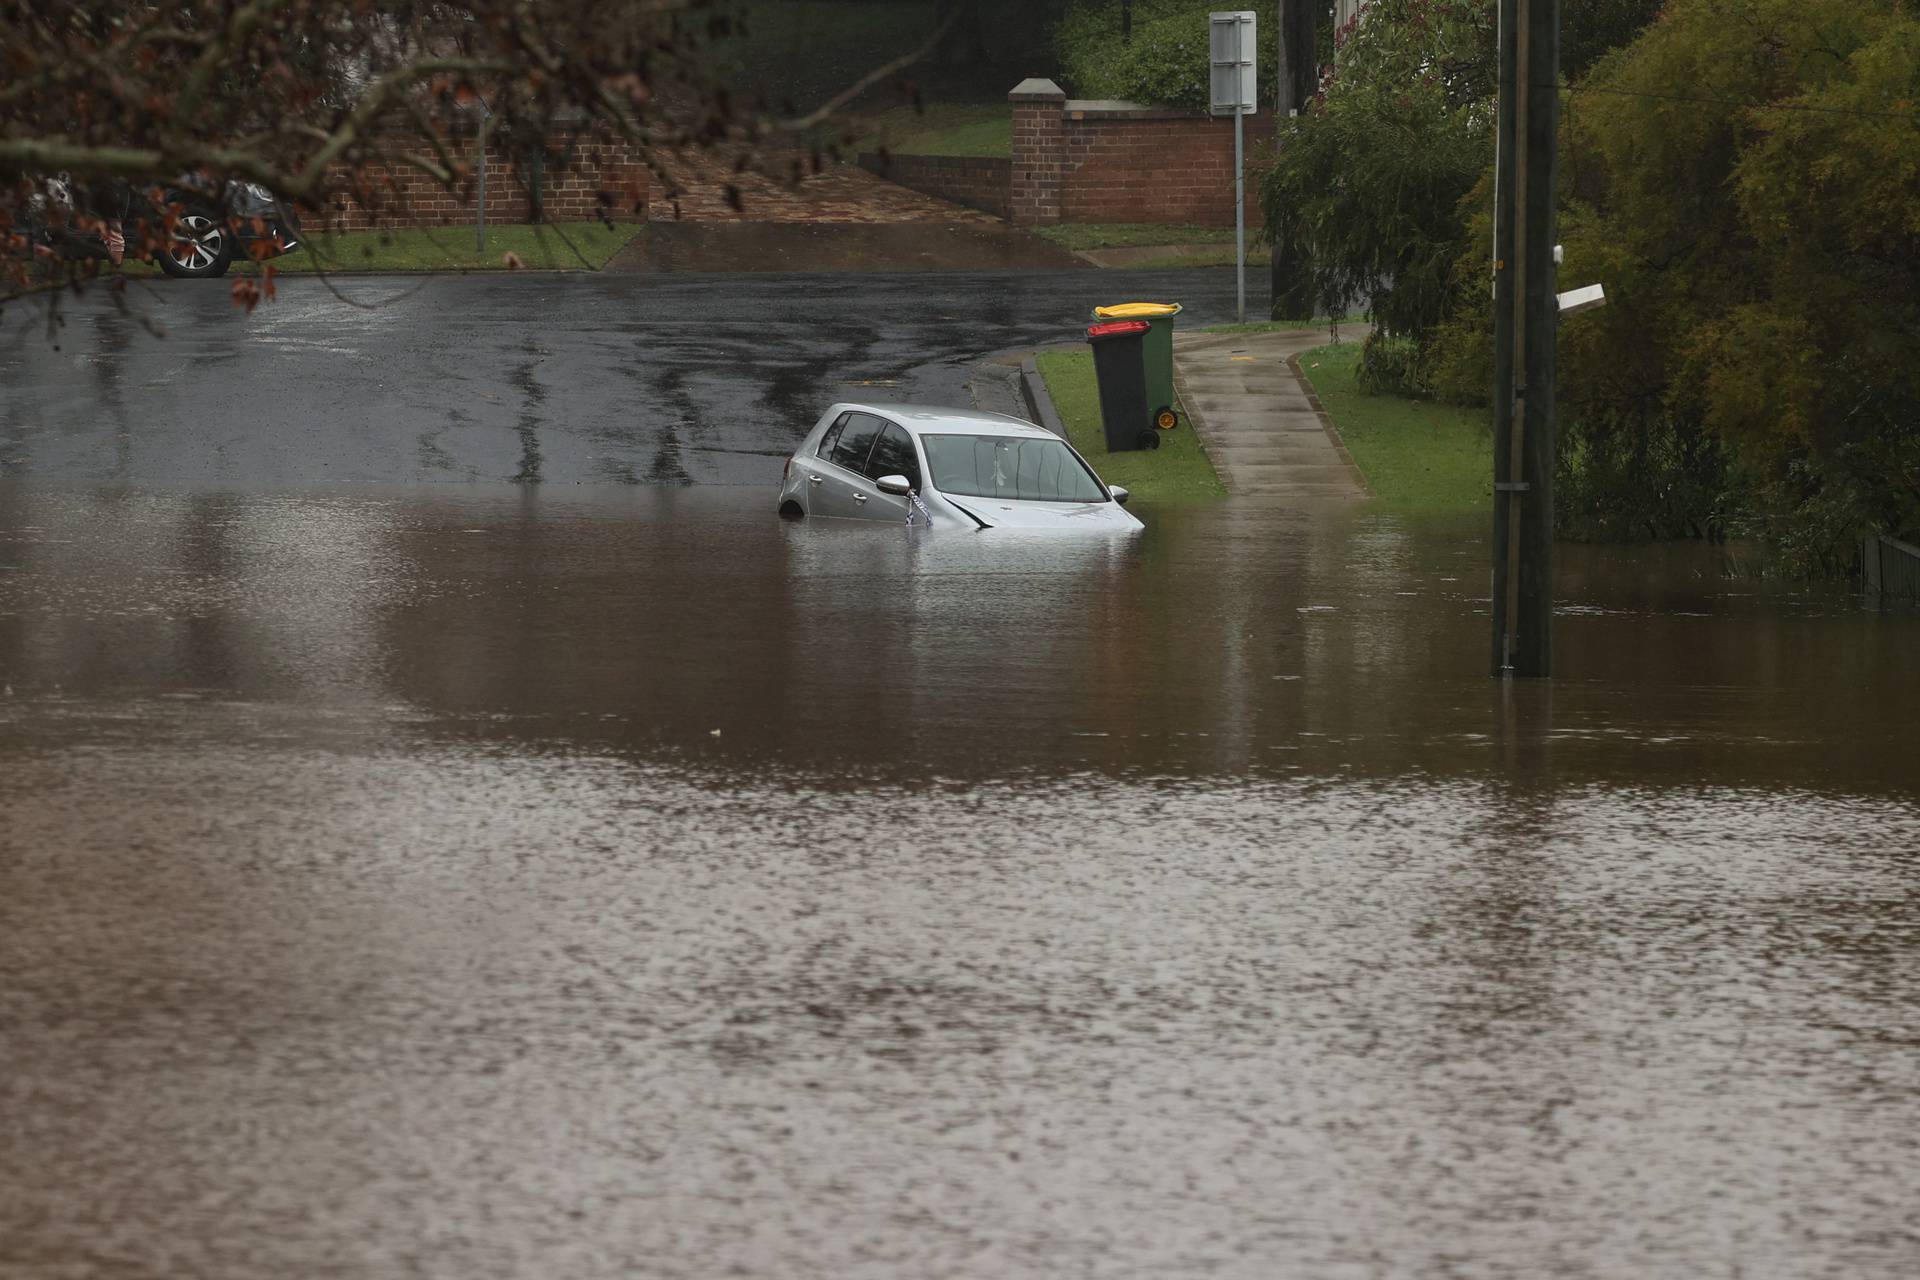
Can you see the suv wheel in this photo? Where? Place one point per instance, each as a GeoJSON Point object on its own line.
{"type": "Point", "coordinates": [201, 247]}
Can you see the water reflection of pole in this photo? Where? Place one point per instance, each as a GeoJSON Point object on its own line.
{"type": "Point", "coordinates": [1524, 733]}
{"type": "Point", "coordinates": [1526, 313]}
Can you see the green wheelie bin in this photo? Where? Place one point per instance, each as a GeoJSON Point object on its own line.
{"type": "Point", "coordinates": [1165, 413]}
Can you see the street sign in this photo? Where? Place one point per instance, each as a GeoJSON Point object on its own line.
{"type": "Point", "coordinates": [1232, 42]}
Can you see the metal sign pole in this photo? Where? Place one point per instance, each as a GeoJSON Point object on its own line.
{"type": "Point", "coordinates": [1232, 42]}
{"type": "Point", "coordinates": [1240, 212]}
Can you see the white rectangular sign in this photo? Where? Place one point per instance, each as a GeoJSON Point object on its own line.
{"type": "Point", "coordinates": [1232, 42]}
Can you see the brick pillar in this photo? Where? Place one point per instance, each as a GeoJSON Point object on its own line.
{"type": "Point", "coordinates": [1039, 151]}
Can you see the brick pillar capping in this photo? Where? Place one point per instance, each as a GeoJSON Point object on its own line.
{"type": "Point", "coordinates": [1039, 151]}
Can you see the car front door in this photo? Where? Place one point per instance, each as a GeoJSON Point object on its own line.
{"type": "Point", "coordinates": [845, 490]}
{"type": "Point", "coordinates": [893, 455]}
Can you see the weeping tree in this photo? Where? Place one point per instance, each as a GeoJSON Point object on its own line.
{"type": "Point", "coordinates": [1365, 186]}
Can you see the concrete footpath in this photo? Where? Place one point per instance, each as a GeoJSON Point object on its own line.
{"type": "Point", "coordinates": [1257, 418]}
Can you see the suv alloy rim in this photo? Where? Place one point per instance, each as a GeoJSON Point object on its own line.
{"type": "Point", "coordinates": [196, 242]}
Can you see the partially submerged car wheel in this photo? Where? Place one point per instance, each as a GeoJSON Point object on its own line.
{"type": "Point", "coordinates": [200, 247]}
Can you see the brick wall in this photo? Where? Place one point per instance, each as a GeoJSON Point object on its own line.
{"type": "Point", "coordinates": [978, 182]}
{"type": "Point", "coordinates": [1121, 162]}
{"type": "Point", "coordinates": [573, 178]}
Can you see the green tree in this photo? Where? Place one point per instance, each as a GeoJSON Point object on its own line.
{"type": "Point", "coordinates": [1745, 180]}
{"type": "Point", "coordinates": [1378, 182]}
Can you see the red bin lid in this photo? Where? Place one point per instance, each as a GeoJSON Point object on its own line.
{"type": "Point", "coordinates": [1114, 328]}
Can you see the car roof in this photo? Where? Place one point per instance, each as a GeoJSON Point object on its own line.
{"type": "Point", "coordinates": [925, 419]}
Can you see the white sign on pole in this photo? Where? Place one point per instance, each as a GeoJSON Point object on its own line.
{"type": "Point", "coordinates": [1232, 42]}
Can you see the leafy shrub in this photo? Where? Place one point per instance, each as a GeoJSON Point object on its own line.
{"type": "Point", "coordinates": [1389, 367]}
{"type": "Point", "coordinates": [1167, 62]}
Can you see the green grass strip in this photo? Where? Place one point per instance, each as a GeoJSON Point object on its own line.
{"type": "Point", "coordinates": [1419, 456]}
{"type": "Point", "coordinates": [572, 246]}
{"type": "Point", "coordinates": [1178, 471]}
{"type": "Point", "coordinates": [938, 129]}
{"type": "Point", "coordinates": [1131, 235]}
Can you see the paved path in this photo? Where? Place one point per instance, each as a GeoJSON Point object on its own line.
{"type": "Point", "coordinates": [1260, 424]}
{"type": "Point", "coordinates": [708, 187]}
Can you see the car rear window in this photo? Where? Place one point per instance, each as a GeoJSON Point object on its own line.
{"type": "Point", "coordinates": [832, 437]}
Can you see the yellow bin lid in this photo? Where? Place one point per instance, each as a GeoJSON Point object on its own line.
{"type": "Point", "coordinates": [1137, 310]}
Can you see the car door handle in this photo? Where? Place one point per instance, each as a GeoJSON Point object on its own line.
{"type": "Point", "coordinates": [859, 497]}
{"type": "Point", "coordinates": [813, 479]}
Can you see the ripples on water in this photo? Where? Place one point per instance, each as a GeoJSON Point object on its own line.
{"type": "Point", "coordinates": [377, 898]}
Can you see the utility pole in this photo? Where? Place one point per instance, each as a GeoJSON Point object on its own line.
{"type": "Point", "coordinates": [1299, 78]}
{"type": "Point", "coordinates": [1526, 313]}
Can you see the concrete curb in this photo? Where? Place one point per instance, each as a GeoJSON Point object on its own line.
{"type": "Point", "coordinates": [1033, 388]}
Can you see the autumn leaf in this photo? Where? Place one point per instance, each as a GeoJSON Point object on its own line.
{"type": "Point", "coordinates": [511, 261]}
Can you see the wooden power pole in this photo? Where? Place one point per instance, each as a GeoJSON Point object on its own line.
{"type": "Point", "coordinates": [1525, 319]}
{"type": "Point", "coordinates": [1299, 78]}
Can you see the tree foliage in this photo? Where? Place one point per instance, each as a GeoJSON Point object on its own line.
{"type": "Point", "coordinates": [1745, 180]}
{"type": "Point", "coordinates": [1367, 184]}
{"type": "Point", "coordinates": [312, 98]}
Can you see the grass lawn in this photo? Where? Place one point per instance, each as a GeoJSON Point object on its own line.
{"type": "Point", "coordinates": [539, 247]}
{"type": "Point", "coordinates": [575, 246]}
{"type": "Point", "coordinates": [1178, 471]}
{"type": "Point", "coordinates": [941, 129]}
{"type": "Point", "coordinates": [1184, 245]}
{"type": "Point", "coordinates": [1130, 235]}
{"type": "Point", "coordinates": [1417, 455]}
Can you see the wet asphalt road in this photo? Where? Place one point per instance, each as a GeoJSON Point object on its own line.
{"type": "Point", "coordinates": [561, 379]}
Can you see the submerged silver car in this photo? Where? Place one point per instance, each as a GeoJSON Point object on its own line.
{"type": "Point", "coordinates": [945, 468]}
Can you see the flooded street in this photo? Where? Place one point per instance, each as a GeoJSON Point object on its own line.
{"type": "Point", "coordinates": [606, 882]}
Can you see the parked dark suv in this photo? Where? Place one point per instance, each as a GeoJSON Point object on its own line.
{"type": "Point", "coordinates": [213, 227]}
{"type": "Point", "coordinates": [204, 243]}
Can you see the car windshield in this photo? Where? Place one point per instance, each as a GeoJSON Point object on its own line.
{"type": "Point", "coordinates": [1027, 468]}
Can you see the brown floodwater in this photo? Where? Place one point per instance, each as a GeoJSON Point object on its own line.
{"type": "Point", "coordinates": [482, 882]}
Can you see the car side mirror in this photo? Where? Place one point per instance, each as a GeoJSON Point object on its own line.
{"type": "Point", "coordinates": [898, 486]}
{"type": "Point", "coordinates": [1119, 495]}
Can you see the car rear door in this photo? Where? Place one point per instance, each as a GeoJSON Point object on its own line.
{"type": "Point", "coordinates": [813, 468]}
{"type": "Point", "coordinates": [845, 489]}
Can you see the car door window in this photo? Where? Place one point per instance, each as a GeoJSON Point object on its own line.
{"type": "Point", "coordinates": [832, 437]}
{"type": "Point", "coordinates": [856, 442]}
{"type": "Point", "coordinates": [894, 456]}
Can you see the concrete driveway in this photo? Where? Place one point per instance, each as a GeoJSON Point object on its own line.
{"type": "Point", "coordinates": [563, 379]}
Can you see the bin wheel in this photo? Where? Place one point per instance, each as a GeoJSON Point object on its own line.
{"type": "Point", "coordinates": [1147, 440]}
{"type": "Point", "coordinates": [1166, 418]}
